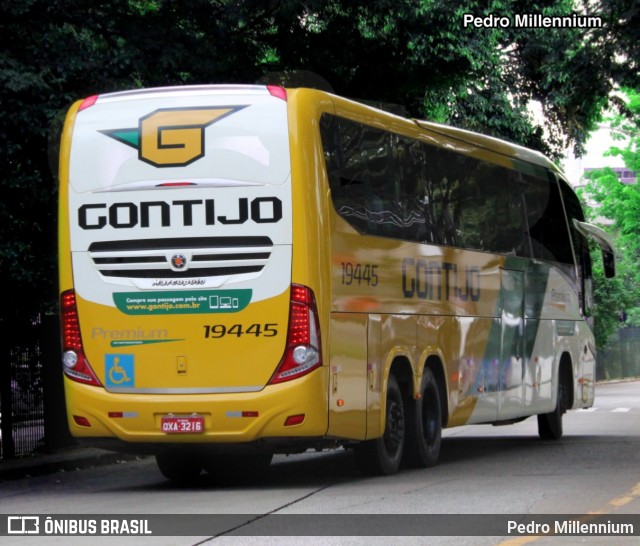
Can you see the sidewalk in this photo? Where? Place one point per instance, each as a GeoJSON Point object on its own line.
{"type": "Point", "coordinates": [64, 460]}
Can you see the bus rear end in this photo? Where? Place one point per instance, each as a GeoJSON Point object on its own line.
{"type": "Point", "coordinates": [180, 321]}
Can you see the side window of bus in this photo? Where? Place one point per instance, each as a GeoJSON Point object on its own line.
{"type": "Point", "coordinates": [422, 213]}
{"type": "Point", "coordinates": [444, 174]}
{"type": "Point", "coordinates": [379, 182]}
{"type": "Point", "coordinates": [490, 209]}
{"type": "Point", "coordinates": [574, 211]}
{"type": "Point", "coordinates": [473, 204]}
{"type": "Point", "coordinates": [390, 185]}
{"type": "Point", "coordinates": [340, 141]}
{"type": "Point", "coordinates": [548, 230]}
{"type": "Point", "coordinates": [361, 170]}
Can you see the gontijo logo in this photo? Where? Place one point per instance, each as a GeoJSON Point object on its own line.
{"type": "Point", "coordinates": [171, 137]}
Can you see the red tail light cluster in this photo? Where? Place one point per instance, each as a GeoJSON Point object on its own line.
{"type": "Point", "coordinates": [88, 102]}
{"type": "Point", "coordinates": [303, 352]}
{"type": "Point", "coordinates": [74, 362]}
{"type": "Point", "coordinates": [277, 91]}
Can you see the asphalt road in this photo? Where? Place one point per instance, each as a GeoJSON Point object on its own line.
{"type": "Point", "coordinates": [483, 470]}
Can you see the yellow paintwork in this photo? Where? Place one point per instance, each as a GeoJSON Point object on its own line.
{"type": "Point", "coordinates": [206, 362]}
{"type": "Point", "coordinates": [365, 330]}
{"type": "Point", "coordinates": [273, 404]}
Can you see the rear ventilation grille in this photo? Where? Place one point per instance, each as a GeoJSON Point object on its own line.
{"type": "Point", "coordinates": [181, 258]}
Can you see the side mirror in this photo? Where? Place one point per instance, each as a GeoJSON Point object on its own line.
{"type": "Point", "coordinates": [609, 262]}
{"type": "Point", "coordinates": [604, 242]}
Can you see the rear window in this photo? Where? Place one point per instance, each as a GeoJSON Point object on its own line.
{"type": "Point", "coordinates": [210, 139]}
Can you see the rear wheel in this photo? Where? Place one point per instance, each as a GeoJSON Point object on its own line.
{"type": "Point", "coordinates": [424, 424]}
{"type": "Point", "coordinates": [383, 455]}
{"type": "Point", "coordinates": [180, 468]}
{"type": "Point", "coordinates": [550, 424]}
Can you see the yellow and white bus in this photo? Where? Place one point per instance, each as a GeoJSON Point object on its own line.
{"type": "Point", "coordinates": [250, 270]}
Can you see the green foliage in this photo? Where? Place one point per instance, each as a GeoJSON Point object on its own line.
{"type": "Point", "coordinates": [612, 296]}
{"type": "Point", "coordinates": [56, 52]}
{"type": "Point", "coordinates": [620, 205]}
{"type": "Point", "coordinates": [418, 53]}
{"type": "Point", "coordinates": [410, 52]}
{"type": "Point", "coordinates": [618, 202]}
{"type": "Point", "coordinates": [633, 317]}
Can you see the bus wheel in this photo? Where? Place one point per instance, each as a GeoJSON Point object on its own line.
{"type": "Point", "coordinates": [424, 424]}
{"type": "Point", "coordinates": [179, 467]}
{"type": "Point", "coordinates": [550, 424]}
{"type": "Point", "coordinates": [383, 455]}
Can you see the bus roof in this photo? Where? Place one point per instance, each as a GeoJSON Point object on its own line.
{"type": "Point", "coordinates": [492, 144]}
{"type": "Point", "coordinates": [495, 144]}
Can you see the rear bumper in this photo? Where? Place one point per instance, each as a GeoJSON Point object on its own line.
{"type": "Point", "coordinates": [229, 418]}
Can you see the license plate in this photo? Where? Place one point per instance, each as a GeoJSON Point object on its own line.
{"type": "Point", "coordinates": [182, 425]}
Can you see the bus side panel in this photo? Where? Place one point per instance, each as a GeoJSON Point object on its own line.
{"type": "Point", "coordinates": [470, 349]}
{"type": "Point", "coordinates": [375, 427]}
{"type": "Point", "coordinates": [311, 248]}
{"type": "Point", "coordinates": [397, 342]}
{"type": "Point", "coordinates": [563, 324]}
{"type": "Point", "coordinates": [362, 354]}
{"type": "Point", "coordinates": [348, 376]}
{"type": "Point", "coordinates": [585, 385]}
{"type": "Point", "coordinates": [512, 355]}
{"type": "Point", "coordinates": [539, 348]}
{"type": "Point", "coordinates": [311, 263]}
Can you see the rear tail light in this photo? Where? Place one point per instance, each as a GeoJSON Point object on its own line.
{"type": "Point", "coordinates": [277, 91]}
{"type": "Point", "coordinates": [303, 352]}
{"type": "Point", "coordinates": [74, 363]}
{"type": "Point", "coordinates": [88, 102]}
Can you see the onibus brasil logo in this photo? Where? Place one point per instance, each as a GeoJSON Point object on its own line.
{"type": "Point", "coordinates": [171, 137]}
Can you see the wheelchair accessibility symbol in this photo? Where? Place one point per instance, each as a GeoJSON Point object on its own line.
{"type": "Point", "coordinates": [119, 370]}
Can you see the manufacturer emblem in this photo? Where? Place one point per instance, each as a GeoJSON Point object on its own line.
{"type": "Point", "coordinates": [171, 137]}
{"type": "Point", "coordinates": [179, 261]}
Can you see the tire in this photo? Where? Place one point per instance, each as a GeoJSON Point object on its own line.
{"type": "Point", "coordinates": [424, 425]}
{"type": "Point", "coordinates": [180, 468]}
{"type": "Point", "coordinates": [550, 424]}
{"type": "Point", "coordinates": [382, 456]}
